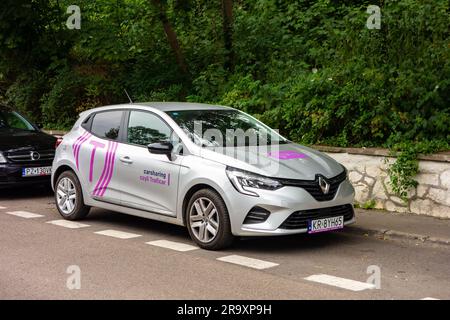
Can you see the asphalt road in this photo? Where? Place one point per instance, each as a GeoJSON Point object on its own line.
{"type": "Point", "coordinates": [35, 256]}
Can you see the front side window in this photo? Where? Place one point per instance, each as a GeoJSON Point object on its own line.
{"type": "Point", "coordinates": [13, 120]}
{"type": "Point", "coordinates": [107, 124]}
{"type": "Point", "coordinates": [145, 128]}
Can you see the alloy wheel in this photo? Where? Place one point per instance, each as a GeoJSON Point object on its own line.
{"type": "Point", "coordinates": [204, 220]}
{"type": "Point", "coordinates": [66, 195]}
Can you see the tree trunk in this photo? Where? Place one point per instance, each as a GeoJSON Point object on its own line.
{"type": "Point", "coordinates": [171, 37]}
{"type": "Point", "coordinates": [227, 12]}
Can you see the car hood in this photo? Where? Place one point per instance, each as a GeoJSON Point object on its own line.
{"type": "Point", "coordinates": [291, 161]}
{"type": "Point", "coordinates": [13, 140]}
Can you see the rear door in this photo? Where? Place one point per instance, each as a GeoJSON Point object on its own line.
{"type": "Point", "coordinates": [149, 181]}
{"type": "Point", "coordinates": [96, 152]}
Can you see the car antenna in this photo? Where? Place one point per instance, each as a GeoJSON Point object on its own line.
{"type": "Point", "coordinates": [131, 101]}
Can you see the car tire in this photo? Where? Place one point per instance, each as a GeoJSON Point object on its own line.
{"type": "Point", "coordinates": [201, 222]}
{"type": "Point", "coordinates": [68, 185]}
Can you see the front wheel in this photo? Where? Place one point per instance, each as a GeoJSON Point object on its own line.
{"type": "Point", "coordinates": [69, 197]}
{"type": "Point", "coordinates": [208, 221]}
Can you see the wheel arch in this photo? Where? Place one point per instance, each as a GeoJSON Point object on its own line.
{"type": "Point", "coordinates": [62, 168]}
{"type": "Point", "coordinates": [193, 189]}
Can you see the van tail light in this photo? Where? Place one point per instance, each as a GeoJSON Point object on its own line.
{"type": "Point", "coordinates": [58, 142]}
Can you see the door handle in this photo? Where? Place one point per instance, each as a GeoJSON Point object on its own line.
{"type": "Point", "coordinates": [126, 159]}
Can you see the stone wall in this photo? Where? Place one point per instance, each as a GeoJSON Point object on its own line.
{"type": "Point", "coordinates": [368, 175]}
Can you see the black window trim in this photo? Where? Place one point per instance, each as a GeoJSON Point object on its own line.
{"type": "Point", "coordinates": [88, 125]}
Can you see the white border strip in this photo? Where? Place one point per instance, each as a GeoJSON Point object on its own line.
{"type": "Point", "coordinates": [340, 282]}
{"type": "Point", "coordinates": [248, 262]}
{"type": "Point", "coordinates": [177, 246]}
{"type": "Point", "coordinates": [118, 234]}
{"type": "Point", "coordinates": [2, 208]}
{"type": "Point", "coordinates": [68, 224]}
{"type": "Point", "coordinates": [24, 214]}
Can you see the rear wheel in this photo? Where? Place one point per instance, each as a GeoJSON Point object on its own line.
{"type": "Point", "coordinates": [69, 197]}
{"type": "Point", "coordinates": [208, 221]}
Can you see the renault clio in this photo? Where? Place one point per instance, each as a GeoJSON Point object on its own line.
{"type": "Point", "coordinates": [214, 169]}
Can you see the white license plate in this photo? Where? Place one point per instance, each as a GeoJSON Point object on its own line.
{"type": "Point", "coordinates": [326, 224]}
{"type": "Point", "coordinates": [38, 171]}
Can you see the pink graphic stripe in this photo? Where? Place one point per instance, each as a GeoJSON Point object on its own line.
{"type": "Point", "coordinates": [96, 145]}
{"type": "Point", "coordinates": [79, 147]}
{"type": "Point", "coordinates": [111, 170]}
{"type": "Point", "coordinates": [88, 135]}
{"type": "Point", "coordinates": [75, 145]}
{"type": "Point", "coordinates": [78, 144]}
{"type": "Point", "coordinates": [105, 169]}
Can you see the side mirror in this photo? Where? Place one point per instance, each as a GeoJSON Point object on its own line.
{"type": "Point", "coordinates": [162, 147]}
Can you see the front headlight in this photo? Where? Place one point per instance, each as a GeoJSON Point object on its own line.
{"type": "Point", "coordinates": [245, 181]}
{"type": "Point", "coordinates": [2, 158]}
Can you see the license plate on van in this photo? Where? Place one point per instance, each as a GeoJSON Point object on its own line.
{"type": "Point", "coordinates": [37, 171]}
{"type": "Point", "coordinates": [326, 224]}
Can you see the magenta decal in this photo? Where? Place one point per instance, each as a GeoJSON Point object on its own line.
{"type": "Point", "coordinates": [96, 145]}
{"type": "Point", "coordinates": [111, 169]}
{"type": "Point", "coordinates": [155, 177]}
{"type": "Point", "coordinates": [107, 171]}
{"type": "Point", "coordinates": [286, 155]}
{"type": "Point", "coordinates": [77, 146]}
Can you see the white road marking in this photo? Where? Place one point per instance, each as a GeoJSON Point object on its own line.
{"type": "Point", "coordinates": [24, 214]}
{"type": "Point", "coordinates": [2, 208]}
{"type": "Point", "coordinates": [118, 234]}
{"type": "Point", "coordinates": [248, 262]}
{"type": "Point", "coordinates": [340, 282]}
{"type": "Point", "coordinates": [68, 224]}
{"type": "Point", "coordinates": [429, 298]}
{"type": "Point", "coordinates": [177, 246]}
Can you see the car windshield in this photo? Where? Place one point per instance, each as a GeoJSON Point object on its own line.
{"type": "Point", "coordinates": [13, 120]}
{"type": "Point", "coordinates": [225, 128]}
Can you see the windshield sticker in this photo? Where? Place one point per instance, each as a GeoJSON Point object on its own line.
{"type": "Point", "coordinates": [77, 145]}
{"type": "Point", "coordinates": [286, 155]}
{"type": "Point", "coordinates": [156, 177]}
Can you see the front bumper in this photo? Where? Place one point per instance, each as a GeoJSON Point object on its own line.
{"type": "Point", "coordinates": [281, 204]}
{"type": "Point", "coordinates": [11, 174]}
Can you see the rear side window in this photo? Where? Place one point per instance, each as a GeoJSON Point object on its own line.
{"type": "Point", "coordinates": [145, 128]}
{"type": "Point", "coordinates": [107, 124]}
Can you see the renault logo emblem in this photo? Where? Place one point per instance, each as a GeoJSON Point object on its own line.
{"type": "Point", "coordinates": [35, 155]}
{"type": "Point", "coordinates": [324, 185]}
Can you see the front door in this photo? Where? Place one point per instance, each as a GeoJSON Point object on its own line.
{"type": "Point", "coordinates": [148, 181]}
{"type": "Point", "coordinates": [96, 158]}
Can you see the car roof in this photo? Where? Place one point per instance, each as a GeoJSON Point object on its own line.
{"type": "Point", "coordinates": [161, 106]}
{"type": "Point", "coordinates": [179, 106]}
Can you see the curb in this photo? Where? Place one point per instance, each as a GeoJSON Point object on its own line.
{"type": "Point", "coordinates": [386, 234]}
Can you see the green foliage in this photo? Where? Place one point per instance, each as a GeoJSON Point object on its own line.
{"type": "Point", "coordinates": [370, 204]}
{"type": "Point", "coordinates": [406, 166]}
{"type": "Point", "coordinates": [309, 68]}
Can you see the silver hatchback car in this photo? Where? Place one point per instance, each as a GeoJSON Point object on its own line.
{"type": "Point", "coordinates": [216, 170]}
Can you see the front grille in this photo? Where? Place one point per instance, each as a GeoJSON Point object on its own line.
{"type": "Point", "coordinates": [299, 219]}
{"type": "Point", "coordinates": [25, 156]}
{"type": "Point", "coordinates": [256, 215]}
{"type": "Point", "coordinates": [312, 186]}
